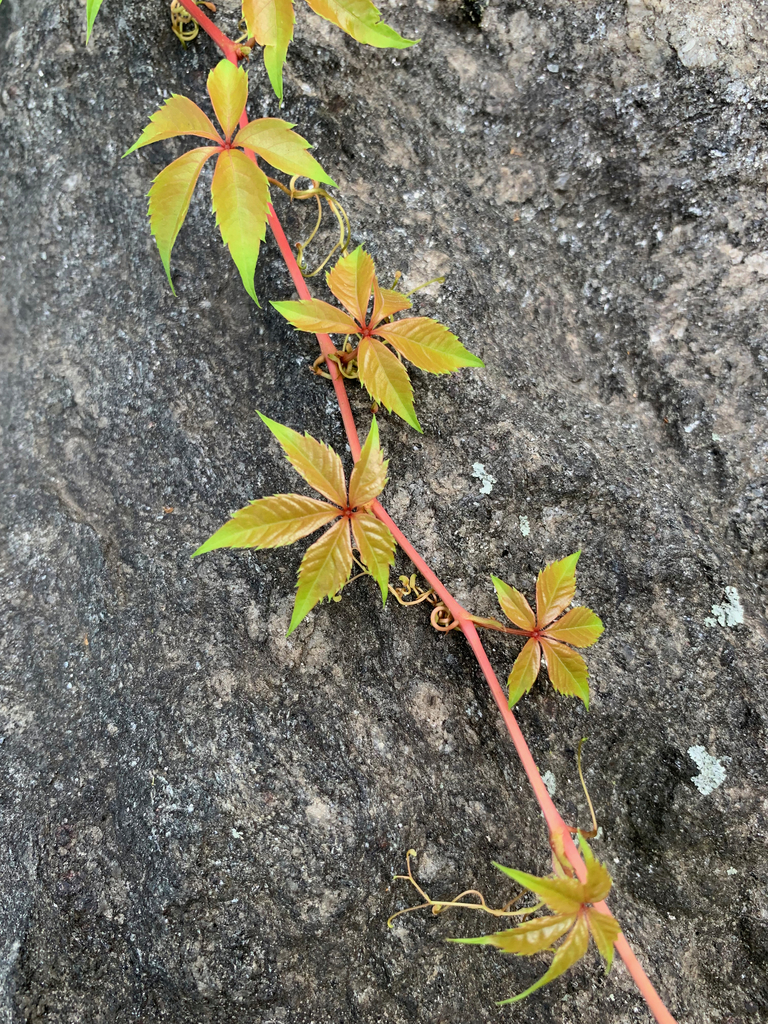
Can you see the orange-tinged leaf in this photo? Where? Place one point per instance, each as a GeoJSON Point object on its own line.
{"type": "Point", "coordinates": [370, 473]}
{"type": "Point", "coordinates": [386, 303]}
{"type": "Point", "coordinates": [571, 950]}
{"type": "Point", "coordinates": [351, 281]}
{"type": "Point", "coordinates": [361, 20]}
{"type": "Point", "coordinates": [555, 588]}
{"type": "Point", "coordinates": [271, 523]}
{"type": "Point", "coordinates": [605, 930]}
{"type": "Point", "coordinates": [598, 883]}
{"type": "Point", "coordinates": [228, 89]}
{"type": "Point", "coordinates": [317, 463]}
{"type": "Point", "coordinates": [273, 140]}
{"type": "Point", "coordinates": [524, 672]}
{"type": "Point", "coordinates": [562, 895]}
{"type": "Point", "coordinates": [271, 22]}
{"type": "Point", "coordinates": [427, 344]}
{"type": "Point", "coordinates": [514, 605]}
{"type": "Point", "coordinates": [529, 937]}
{"type": "Point", "coordinates": [241, 204]}
{"type": "Point", "coordinates": [314, 315]}
{"type": "Point", "coordinates": [385, 379]}
{"type": "Point", "coordinates": [579, 627]}
{"type": "Point", "coordinates": [324, 569]}
{"type": "Point", "coordinates": [376, 546]}
{"type": "Point", "coordinates": [177, 116]}
{"type": "Point", "coordinates": [169, 199]}
{"type": "Point", "coordinates": [567, 670]}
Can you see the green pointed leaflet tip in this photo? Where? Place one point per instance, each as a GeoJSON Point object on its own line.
{"type": "Point", "coordinates": [481, 940]}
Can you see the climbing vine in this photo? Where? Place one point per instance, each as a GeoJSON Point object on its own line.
{"type": "Point", "coordinates": [375, 343]}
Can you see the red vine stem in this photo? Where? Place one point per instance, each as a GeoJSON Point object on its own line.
{"type": "Point", "coordinates": [556, 825]}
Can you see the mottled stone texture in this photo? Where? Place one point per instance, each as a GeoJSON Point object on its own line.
{"type": "Point", "coordinates": [200, 819]}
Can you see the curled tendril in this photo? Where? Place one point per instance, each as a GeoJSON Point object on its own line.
{"type": "Point", "coordinates": [458, 902]}
{"type": "Point", "coordinates": [183, 25]}
{"type": "Point", "coordinates": [317, 193]}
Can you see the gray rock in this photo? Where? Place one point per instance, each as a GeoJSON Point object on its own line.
{"type": "Point", "coordinates": [201, 818]}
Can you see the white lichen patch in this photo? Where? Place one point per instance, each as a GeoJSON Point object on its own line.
{"type": "Point", "coordinates": [712, 773]}
{"type": "Point", "coordinates": [525, 526]}
{"type": "Point", "coordinates": [729, 613]}
{"type": "Point", "coordinates": [479, 470]}
{"type": "Point", "coordinates": [549, 781]}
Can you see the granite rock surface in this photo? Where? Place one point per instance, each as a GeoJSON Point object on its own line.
{"type": "Point", "coordinates": [200, 818]}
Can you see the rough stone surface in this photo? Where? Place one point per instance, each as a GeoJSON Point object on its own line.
{"type": "Point", "coordinates": [200, 818]}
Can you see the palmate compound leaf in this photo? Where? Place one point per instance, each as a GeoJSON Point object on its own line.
{"type": "Point", "coordinates": [284, 518]}
{"type": "Point", "coordinates": [271, 23]}
{"type": "Point", "coordinates": [580, 627]}
{"type": "Point", "coordinates": [572, 921]}
{"type": "Point", "coordinates": [423, 341]}
{"type": "Point", "coordinates": [240, 190]}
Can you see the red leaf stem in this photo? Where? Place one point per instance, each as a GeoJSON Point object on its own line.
{"type": "Point", "coordinates": [555, 823]}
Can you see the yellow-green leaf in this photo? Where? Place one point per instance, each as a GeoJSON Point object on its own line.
{"type": "Point", "coordinates": [91, 10]}
{"type": "Point", "coordinates": [286, 150]}
{"type": "Point", "coordinates": [386, 303]}
{"type": "Point", "coordinates": [567, 954]}
{"type": "Point", "coordinates": [317, 463]}
{"type": "Point", "coordinates": [524, 672]}
{"type": "Point", "coordinates": [384, 376]}
{"type": "Point", "coordinates": [324, 569]}
{"type": "Point", "coordinates": [351, 281]}
{"type": "Point", "coordinates": [579, 627]}
{"type": "Point", "coordinates": [567, 670]}
{"type": "Point", "coordinates": [529, 937]}
{"type": "Point", "coordinates": [514, 605]}
{"type": "Point", "coordinates": [271, 523]}
{"type": "Point", "coordinates": [376, 546]}
{"type": "Point", "coordinates": [169, 199]}
{"type": "Point", "coordinates": [562, 895]}
{"type": "Point", "coordinates": [555, 588]}
{"type": "Point", "coordinates": [598, 883]}
{"type": "Point", "coordinates": [361, 20]}
{"type": "Point", "coordinates": [605, 930]}
{"type": "Point", "coordinates": [241, 204]}
{"type": "Point", "coordinates": [177, 116]}
{"type": "Point", "coordinates": [370, 472]}
{"type": "Point", "coordinates": [271, 22]}
{"type": "Point", "coordinates": [427, 344]}
{"type": "Point", "coordinates": [314, 315]}
{"type": "Point", "coordinates": [228, 89]}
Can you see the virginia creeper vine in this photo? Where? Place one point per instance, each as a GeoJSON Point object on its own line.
{"type": "Point", "coordinates": [588, 910]}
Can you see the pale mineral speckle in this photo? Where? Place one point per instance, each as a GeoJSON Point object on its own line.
{"type": "Point", "coordinates": [712, 773]}
{"type": "Point", "coordinates": [729, 613]}
{"type": "Point", "coordinates": [550, 782]}
{"type": "Point", "coordinates": [479, 471]}
{"type": "Point", "coordinates": [525, 526]}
